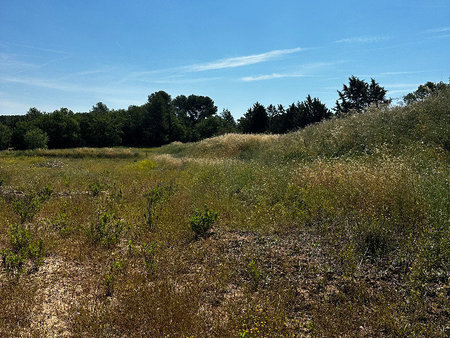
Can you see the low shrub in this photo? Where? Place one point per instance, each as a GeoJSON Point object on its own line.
{"type": "Point", "coordinates": [106, 229]}
{"type": "Point", "coordinates": [24, 246]}
{"type": "Point", "coordinates": [202, 221]}
{"type": "Point", "coordinates": [29, 205]}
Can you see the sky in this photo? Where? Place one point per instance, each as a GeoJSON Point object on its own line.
{"type": "Point", "coordinates": [73, 54]}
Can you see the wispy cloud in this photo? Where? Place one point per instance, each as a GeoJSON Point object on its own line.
{"type": "Point", "coordinates": [401, 73]}
{"type": "Point", "coordinates": [240, 61]}
{"type": "Point", "coordinates": [269, 77]}
{"type": "Point", "coordinates": [401, 85]}
{"type": "Point", "coordinates": [437, 30]}
{"type": "Point", "coordinates": [42, 49]}
{"type": "Point", "coordinates": [363, 39]}
{"type": "Point", "coordinates": [304, 70]}
{"type": "Point", "coordinates": [7, 61]}
{"type": "Point", "coordinates": [185, 80]}
{"type": "Point", "coordinates": [388, 74]}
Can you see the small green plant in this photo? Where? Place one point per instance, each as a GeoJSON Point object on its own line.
{"type": "Point", "coordinates": [111, 276]}
{"type": "Point", "coordinates": [202, 221]}
{"type": "Point", "coordinates": [61, 223]}
{"type": "Point", "coordinates": [148, 253]}
{"type": "Point", "coordinates": [106, 229]}
{"type": "Point", "coordinates": [254, 273]}
{"type": "Point", "coordinates": [155, 197]}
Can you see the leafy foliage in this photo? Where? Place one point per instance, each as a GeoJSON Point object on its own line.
{"type": "Point", "coordinates": [202, 221]}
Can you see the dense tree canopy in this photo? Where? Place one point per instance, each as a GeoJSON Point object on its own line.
{"type": "Point", "coordinates": [358, 95]}
{"type": "Point", "coordinates": [185, 118]}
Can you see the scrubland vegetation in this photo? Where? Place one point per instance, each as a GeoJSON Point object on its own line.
{"type": "Point", "coordinates": [339, 229]}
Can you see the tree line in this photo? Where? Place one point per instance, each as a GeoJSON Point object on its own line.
{"type": "Point", "coordinates": [162, 120]}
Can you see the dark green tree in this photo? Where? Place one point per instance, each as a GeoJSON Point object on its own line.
{"type": "Point", "coordinates": [276, 118]}
{"type": "Point", "coordinates": [314, 111]}
{"type": "Point", "coordinates": [18, 133]}
{"type": "Point", "coordinates": [209, 127]}
{"type": "Point", "coordinates": [160, 124]}
{"type": "Point", "coordinates": [192, 110]}
{"type": "Point", "coordinates": [228, 124]}
{"type": "Point", "coordinates": [5, 136]}
{"type": "Point", "coordinates": [358, 95]}
{"type": "Point", "coordinates": [255, 120]}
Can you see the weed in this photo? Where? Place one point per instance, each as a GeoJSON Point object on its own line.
{"type": "Point", "coordinates": [202, 221]}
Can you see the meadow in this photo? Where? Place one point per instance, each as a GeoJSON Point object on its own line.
{"type": "Point", "coordinates": [338, 229]}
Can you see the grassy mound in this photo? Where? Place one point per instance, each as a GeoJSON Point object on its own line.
{"type": "Point", "coordinates": [426, 122]}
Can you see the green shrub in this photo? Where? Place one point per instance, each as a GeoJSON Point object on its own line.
{"type": "Point", "coordinates": [12, 262]}
{"type": "Point", "coordinates": [30, 204]}
{"type": "Point", "coordinates": [23, 247]}
{"type": "Point", "coordinates": [202, 221]}
{"type": "Point", "coordinates": [96, 188]}
{"type": "Point", "coordinates": [106, 229]}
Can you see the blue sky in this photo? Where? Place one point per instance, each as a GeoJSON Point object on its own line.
{"type": "Point", "coordinates": [76, 53]}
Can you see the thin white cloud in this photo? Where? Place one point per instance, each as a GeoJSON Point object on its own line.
{"type": "Point", "coordinates": [363, 39]}
{"type": "Point", "coordinates": [269, 77]}
{"type": "Point", "coordinates": [240, 60]}
{"type": "Point", "coordinates": [400, 73]}
{"type": "Point", "coordinates": [300, 71]}
{"type": "Point", "coordinates": [437, 30]}
{"type": "Point", "coordinates": [401, 85]}
{"type": "Point", "coordinates": [71, 87]}
{"type": "Point", "coordinates": [42, 49]}
{"type": "Point", "coordinates": [185, 80]}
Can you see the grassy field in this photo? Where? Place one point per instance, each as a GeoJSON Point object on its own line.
{"type": "Point", "coordinates": [340, 229]}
